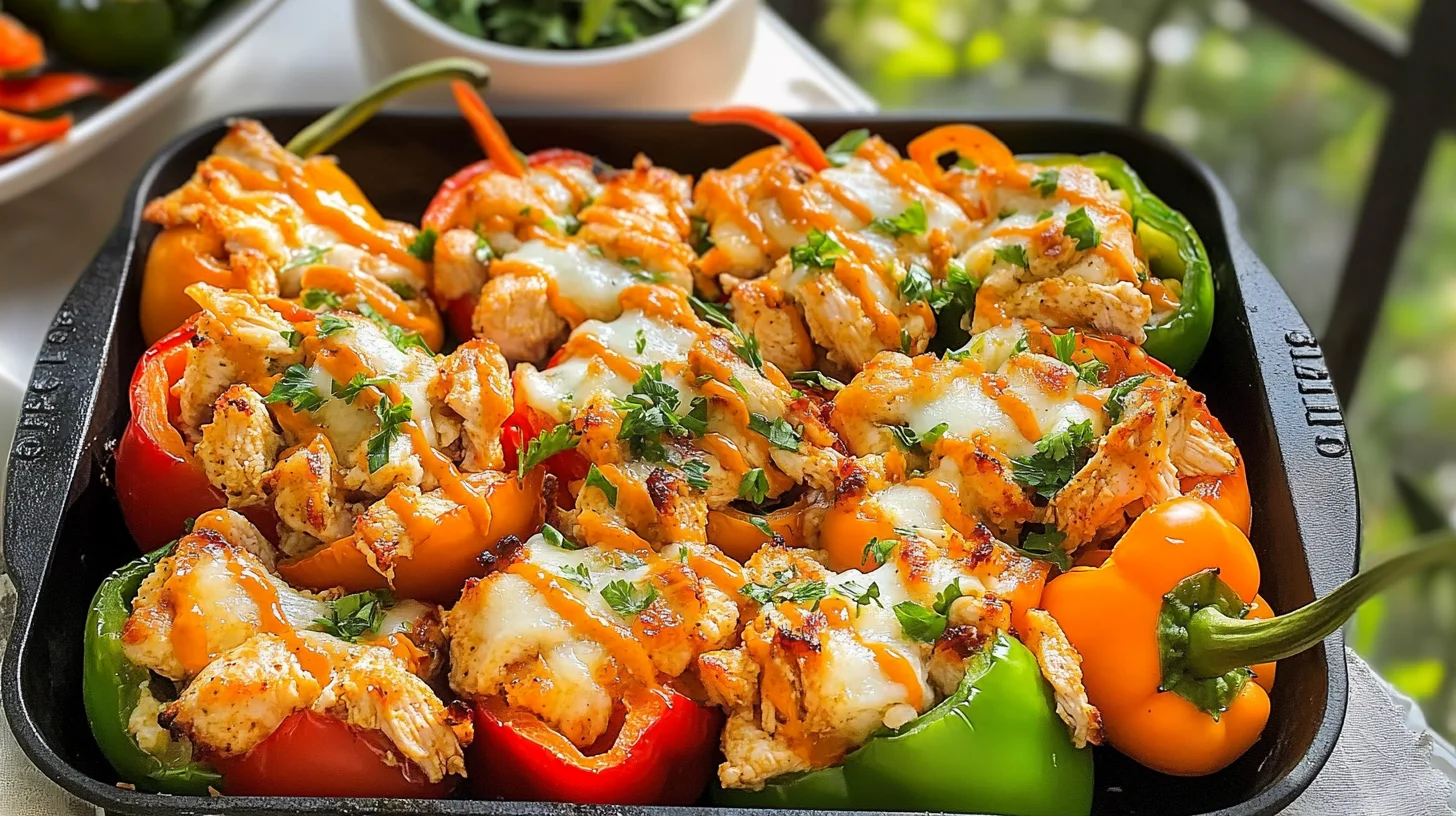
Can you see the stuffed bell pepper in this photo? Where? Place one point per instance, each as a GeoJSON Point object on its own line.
{"type": "Point", "coordinates": [205, 671]}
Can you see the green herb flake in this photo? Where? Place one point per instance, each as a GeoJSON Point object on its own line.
{"type": "Point", "coordinates": [910, 222]}
{"type": "Point", "coordinates": [1117, 397]}
{"type": "Point", "coordinates": [391, 418]}
{"type": "Point", "coordinates": [296, 388]}
{"type": "Point", "coordinates": [404, 290]}
{"type": "Point", "coordinates": [639, 341]}
{"type": "Point", "coordinates": [546, 444]}
{"type": "Point", "coordinates": [1045, 182]}
{"type": "Point", "coordinates": [310, 256]}
{"type": "Point", "coordinates": [594, 478]}
{"type": "Point", "coordinates": [842, 149]}
{"type": "Point", "coordinates": [1081, 229]}
{"type": "Point", "coordinates": [818, 251]}
{"type": "Point", "coordinates": [816, 379]}
{"type": "Point", "coordinates": [554, 537]}
{"type": "Point", "coordinates": [628, 599]}
{"type": "Point", "coordinates": [578, 574]}
{"type": "Point", "coordinates": [779, 433]}
{"type": "Point", "coordinates": [331, 324]}
{"type": "Point", "coordinates": [1047, 546]}
{"type": "Point", "coordinates": [423, 246]}
{"type": "Point", "coordinates": [861, 595]}
{"type": "Point", "coordinates": [919, 623]}
{"type": "Point", "coordinates": [878, 550]}
{"type": "Point", "coordinates": [916, 285]}
{"type": "Point", "coordinates": [353, 616]}
{"type": "Point", "coordinates": [1014, 254]}
{"type": "Point", "coordinates": [753, 487]}
{"type": "Point", "coordinates": [1057, 459]}
{"type": "Point", "coordinates": [349, 391]}
{"type": "Point", "coordinates": [292, 337]}
{"type": "Point", "coordinates": [321, 298]}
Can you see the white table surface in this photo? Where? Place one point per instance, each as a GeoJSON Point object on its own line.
{"type": "Point", "coordinates": [1381, 767]}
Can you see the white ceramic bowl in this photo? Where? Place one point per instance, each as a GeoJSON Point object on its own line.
{"type": "Point", "coordinates": [693, 64]}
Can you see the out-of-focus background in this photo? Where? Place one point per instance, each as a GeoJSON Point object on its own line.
{"type": "Point", "coordinates": [1293, 133]}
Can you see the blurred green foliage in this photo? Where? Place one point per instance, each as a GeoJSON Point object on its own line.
{"type": "Point", "coordinates": [1292, 135]}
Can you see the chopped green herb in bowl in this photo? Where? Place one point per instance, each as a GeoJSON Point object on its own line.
{"type": "Point", "coordinates": [563, 24]}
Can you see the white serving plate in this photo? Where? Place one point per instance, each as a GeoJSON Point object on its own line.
{"type": "Point", "coordinates": [24, 173]}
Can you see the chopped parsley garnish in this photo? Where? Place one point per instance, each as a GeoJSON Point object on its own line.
{"type": "Point", "coordinates": [784, 590]}
{"type": "Point", "coordinates": [816, 379]}
{"type": "Point", "coordinates": [749, 351]}
{"type": "Point", "coordinates": [818, 251]}
{"type": "Point", "coordinates": [1044, 215]}
{"type": "Point", "coordinates": [862, 596]}
{"type": "Point", "coordinates": [696, 473]}
{"type": "Point", "coordinates": [1081, 229]}
{"type": "Point", "coordinates": [554, 537]}
{"type": "Point", "coordinates": [910, 222]}
{"type": "Point", "coordinates": [966, 163]}
{"type": "Point", "coordinates": [916, 285]}
{"type": "Point", "coordinates": [546, 444]}
{"type": "Point", "coordinates": [957, 288]}
{"type": "Point", "coordinates": [747, 348]}
{"type": "Point", "coordinates": [321, 298]}
{"type": "Point", "coordinates": [1045, 182]}
{"type": "Point", "coordinates": [699, 237]}
{"type": "Point", "coordinates": [696, 419]}
{"type": "Point", "coordinates": [761, 524]}
{"type": "Point", "coordinates": [354, 616]}
{"type": "Point", "coordinates": [842, 149]}
{"type": "Point", "coordinates": [401, 339]}
{"type": "Point", "coordinates": [639, 341]}
{"type": "Point", "coordinates": [628, 561]}
{"type": "Point", "coordinates": [349, 391]}
{"type": "Point", "coordinates": [1005, 214]}
{"type": "Point", "coordinates": [423, 246]}
{"type": "Point", "coordinates": [1057, 459]}
{"type": "Point", "coordinates": [878, 550]}
{"type": "Point", "coordinates": [907, 437]}
{"type": "Point", "coordinates": [905, 344]}
{"type": "Point", "coordinates": [293, 337]}
{"type": "Point", "coordinates": [1014, 254]}
{"type": "Point", "coordinates": [1047, 546]}
{"type": "Point", "coordinates": [296, 388]}
{"type": "Point", "coordinates": [779, 433]}
{"type": "Point", "coordinates": [1117, 398]}
{"type": "Point", "coordinates": [737, 385]}
{"type": "Point", "coordinates": [946, 597]}
{"type": "Point", "coordinates": [1065, 345]}
{"type": "Point", "coordinates": [1020, 346]}
{"type": "Point", "coordinates": [330, 325]}
{"type": "Point", "coordinates": [753, 487]}
{"type": "Point", "coordinates": [578, 574]}
{"type": "Point", "coordinates": [308, 257]}
{"type": "Point", "coordinates": [919, 623]}
{"type": "Point", "coordinates": [483, 253]}
{"type": "Point", "coordinates": [594, 478]}
{"type": "Point", "coordinates": [391, 417]}
{"type": "Point", "coordinates": [627, 599]}
{"type": "Point", "coordinates": [404, 290]}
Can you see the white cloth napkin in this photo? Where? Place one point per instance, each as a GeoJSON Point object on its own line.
{"type": "Point", "coordinates": [1387, 763]}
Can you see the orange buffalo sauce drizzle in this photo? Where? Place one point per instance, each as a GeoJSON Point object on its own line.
{"type": "Point", "coordinates": [1090, 402]}
{"type": "Point", "coordinates": [1079, 187]}
{"type": "Point", "coordinates": [727, 193]}
{"type": "Point", "coordinates": [304, 184]}
{"type": "Point", "coordinates": [1010, 403]}
{"type": "Point", "coordinates": [190, 624]}
{"type": "Point", "coordinates": [563, 306]}
{"type": "Point", "coordinates": [375, 293]}
{"type": "Point", "coordinates": [619, 640]}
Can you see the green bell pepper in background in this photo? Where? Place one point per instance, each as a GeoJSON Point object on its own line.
{"type": "Point", "coordinates": [995, 746]}
{"type": "Point", "coordinates": [113, 36]}
{"type": "Point", "coordinates": [111, 688]}
{"type": "Point", "coordinates": [1174, 250]}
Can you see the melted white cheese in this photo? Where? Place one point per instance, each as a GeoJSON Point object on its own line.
{"type": "Point", "coordinates": [588, 280]}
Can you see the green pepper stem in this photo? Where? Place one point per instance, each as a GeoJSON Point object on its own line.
{"type": "Point", "coordinates": [343, 120]}
{"type": "Point", "coordinates": [1218, 643]}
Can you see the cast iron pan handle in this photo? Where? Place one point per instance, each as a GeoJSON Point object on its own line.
{"type": "Point", "coordinates": [63, 415]}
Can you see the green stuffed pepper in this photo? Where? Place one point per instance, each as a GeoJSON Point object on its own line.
{"type": "Point", "coordinates": [1174, 252]}
{"type": "Point", "coordinates": [995, 746]}
{"type": "Point", "coordinates": [111, 686]}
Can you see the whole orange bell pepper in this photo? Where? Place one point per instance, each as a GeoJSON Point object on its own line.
{"type": "Point", "coordinates": [1177, 647]}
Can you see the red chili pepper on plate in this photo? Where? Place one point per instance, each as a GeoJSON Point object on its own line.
{"type": "Point", "coordinates": [45, 92]}
{"type": "Point", "coordinates": [659, 750]}
{"type": "Point", "coordinates": [159, 484]}
{"type": "Point", "coordinates": [20, 49]}
{"type": "Point", "coordinates": [21, 133]}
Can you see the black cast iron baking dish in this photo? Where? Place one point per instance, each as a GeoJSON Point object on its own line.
{"type": "Point", "coordinates": [1263, 374]}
